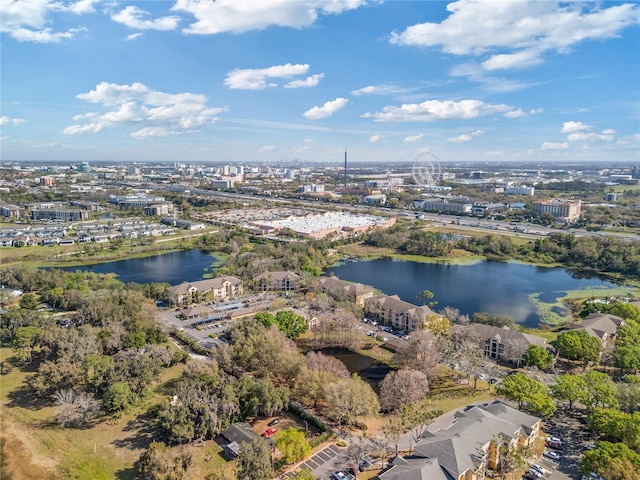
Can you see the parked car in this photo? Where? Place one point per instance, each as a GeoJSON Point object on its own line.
{"type": "Point", "coordinates": [552, 455]}
{"type": "Point", "coordinates": [554, 443]}
{"type": "Point", "coordinates": [273, 422]}
{"type": "Point", "coordinates": [539, 468]}
{"type": "Point", "coordinates": [533, 473]}
{"type": "Point", "coordinates": [269, 432]}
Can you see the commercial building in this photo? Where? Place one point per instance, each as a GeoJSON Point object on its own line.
{"type": "Point", "coordinates": [562, 210]}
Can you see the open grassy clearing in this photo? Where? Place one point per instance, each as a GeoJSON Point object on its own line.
{"type": "Point", "coordinates": [38, 448]}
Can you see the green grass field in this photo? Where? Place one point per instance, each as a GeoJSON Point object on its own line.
{"type": "Point", "coordinates": [37, 448]}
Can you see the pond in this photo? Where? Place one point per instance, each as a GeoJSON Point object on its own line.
{"type": "Point", "coordinates": [493, 287]}
{"type": "Point", "coordinates": [172, 268]}
{"type": "Point", "coordinates": [370, 370]}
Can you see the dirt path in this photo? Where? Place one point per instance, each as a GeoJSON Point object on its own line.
{"type": "Point", "coordinates": [20, 458]}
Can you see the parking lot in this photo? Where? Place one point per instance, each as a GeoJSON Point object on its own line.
{"type": "Point", "coordinates": [324, 463]}
{"type": "Point", "coordinates": [571, 428]}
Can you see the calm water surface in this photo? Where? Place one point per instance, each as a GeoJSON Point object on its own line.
{"type": "Point", "coordinates": [172, 268]}
{"type": "Point", "coordinates": [493, 287]}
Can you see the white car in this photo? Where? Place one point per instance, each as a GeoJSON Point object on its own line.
{"type": "Point", "coordinates": [552, 455]}
{"type": "Point", "coordinates": [539, 468]}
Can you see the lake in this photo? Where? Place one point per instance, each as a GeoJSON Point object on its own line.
{"type": "Point", "coordinates": [493, 287]}
{"type": "Point", "coordinates": [172, 267]}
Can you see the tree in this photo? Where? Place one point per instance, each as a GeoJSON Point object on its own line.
{"type": "Point", "coordinates": [357, 451]}
{"type": "Point", "coordinates": [437, 324]}
{"type": "Point", "coordinates": [608, 457]}
{"type": "Point", "coordinates": [627, 358]}
{"type": "Point", "coordinates": [74, 407]}
{"type": "Point", "coordinates": [421, 353]}
{"type": "Point", "coordinates": [293, 445]}
{"type": "Point", "coordinates": [614, 424]}
{"type": "Point", "coordinates": [600, 390]}
{"type": "Point", "coordinates": [117, 398]}
{"type": "Point", "coordinates": [350, 398]}
{"type": "Point", "coordinates": [424, 296]}
{"type": "Point", "coordinates": [570, 388]}
{"type": "Point", "coordinates": [530, 394]}
{"type": "Point", "coordinates": [538, 356]}
{"type": "Point", "coordinates": [29, 301]}
{"type": "Point", "coordinates": [510, 457]}
{"type": "Point", "coordinates": [579, 345]}
{"type": "Point", "coordinates": [161, 462]}
{"type": "Point", "coordinates": [24, 339]}
{"type": "Point", "coordinates": [254, 461]}
{"type": "Point", "coordinates": [415, 417]}
{"type": "Point", "coordinates": [291, 324]}
{"type": "Point", "coordinates": [393, 430]}
{"type": "Point", "coordinates": [401, 387]}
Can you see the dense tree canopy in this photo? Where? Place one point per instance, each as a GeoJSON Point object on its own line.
{"type": "Point", "coordinates": [579, 345]}
{"type": "Point", "coordinates": [530, 394]}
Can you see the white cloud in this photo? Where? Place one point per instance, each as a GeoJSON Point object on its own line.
{"type": "Point", "coordinates": [133, 17]}
{"type": "Point", "coordinates": [27, 20]}
{"type": "Point", "coordinates": [536, 111]}
{"type": "Point", "coordinates": [570, 127]}
{"type": "Point", "coordinates": [432, 110]}
{"type": "Point", "coordinates": [79, 7]}
{"type": "Point", "coordinates": [256, 78]}
{"type": "Point", "coordinates": [554, 146]}
{"type": "Point", "coordinates": [11, 121]}
{"type": "Point", "coordinates": [311, 81]}
{"type": "Point", "coordinates": [518, 34]}
{"type": "Point", "coordinates": [589, 137]}
{"type": "Point", "coordinates": [133, 36]}
{"type": "Point", "coordinates": [163, 114]}
{"type": "Point", "coordinates": [581, 132]}
{"type": "Point", "coordinates": [328, 109]}
{"type": "Point", "coordinates": [240, 16]}
{"type": "Point", "coordinates": [375, 138]}
{"type": "Point", "coordinates": [413, 138]}
{"type": "Point", "coordinates": [515, 114]}
{"type": "Point", "coordinates": [267, 149]}
{"type": "Point", "coordinates": [466, 137]}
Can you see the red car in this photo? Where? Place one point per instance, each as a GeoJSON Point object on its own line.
{"type": "Point", "coordinates": [269, 431]}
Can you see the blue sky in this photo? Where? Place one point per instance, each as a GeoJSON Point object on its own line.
{"type": "Point", "coordinates": [272, 80]}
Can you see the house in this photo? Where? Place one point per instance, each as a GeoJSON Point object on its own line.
{"type": "Point", "coordinates": [276, 281]}
{"type": "Point", "coordinates": [235, 435]}
{"type": "Point", "coordinates": [603, 326]}
{"type": "Point", "coordinates": [218, 288]}
{"type": "Point", "coordinates": [468, 446]}
{"type": "Point", "coordinates": [355, 292]}
{"type": "Point", "coordinates": [392, 311]}
{"type": "Point", "coordinates": [499, 343]}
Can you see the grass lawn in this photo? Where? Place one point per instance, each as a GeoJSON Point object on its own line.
{"type": "Point", "coordinates": [34, 447]}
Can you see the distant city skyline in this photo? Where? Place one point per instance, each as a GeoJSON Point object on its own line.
{"type": "Point", "coordinates": [238, 81]}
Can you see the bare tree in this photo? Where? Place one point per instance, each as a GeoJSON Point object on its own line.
{"type": "Point", "coordinates": [402, 387]}
{"type": "Point", "coordinates": [75, 408]}
{"type": "Point", "coordinates": [324, 363]}
{"type": "Point", "coordinates": [416, 418]}
{"type": "Point", "coordinates": [421, 353]}
{"type": "Point", "coordinates": [393, 430]}
{"type": "Point", "coordinates": [451, 313]}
